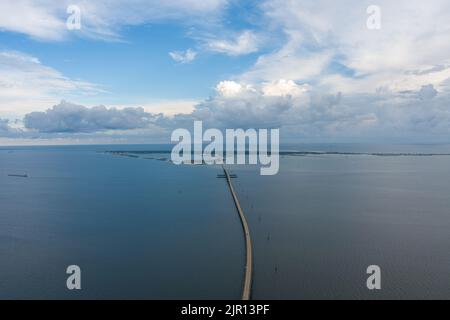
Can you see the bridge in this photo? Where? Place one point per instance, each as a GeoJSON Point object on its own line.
{"type": "Point", "coordinates": [246, 292]}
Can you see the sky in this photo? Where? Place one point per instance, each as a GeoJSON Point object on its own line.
{"type": "Point", "coordinates": [116, 71]}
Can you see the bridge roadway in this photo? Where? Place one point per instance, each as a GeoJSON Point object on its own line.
{"type": "Point", "coordinates": [246, 292]}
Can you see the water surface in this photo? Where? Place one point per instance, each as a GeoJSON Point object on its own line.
{"type": "Point", "coordinates": [144, 228]}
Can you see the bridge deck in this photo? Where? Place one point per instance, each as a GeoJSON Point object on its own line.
{"type": "Point", "coordinates": [246, 292]}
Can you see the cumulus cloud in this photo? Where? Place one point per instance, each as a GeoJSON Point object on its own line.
{"type": "Point", "coordinates": [304, 113]}
{"type": "Point", "coordinates": [300, 111]}
{"type": "Point", "coordinates": [344, 79]}
{"type": "Point", "coordinates": [284, 87]}
{"type": "Point", "coordinates": [277, 88]}
{"type": "Point", "coordinates": [183, 56]}
{"type": "Point", "coordinates": [230, 88]}
{"type": "Point", "coordinates": [67, 117]}
{"type": "Point", "coordinates": [244, 43]}
{"type": "Point", "coordinates": [257, 106]}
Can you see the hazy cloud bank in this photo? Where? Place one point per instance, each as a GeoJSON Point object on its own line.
{"type": "Point", "coordinates": [300, 111]}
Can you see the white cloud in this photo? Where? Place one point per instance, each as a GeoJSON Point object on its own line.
{"type": "Point", "coordinates": [46, 19]}
{"type": "Point", "coordinates": [304, 113]}
{"type": "Point", "coordinates": [299, 110]}
{"type": "Point", "coordinates": [231, 88]}
{"type": "Point", "coordinates": [414, 36]}
{"type": "Point", "coordinates": [32, 18]}
{"type": "Point", "coordinates": [288, 63]}
{"type": "Point", "coordinates": [183, 56]}
{"type": "Point", "coordinates": [284, 87]}
{"type": "Point", "coordinates": [326, 74]}
{"type": "Point", "coordinates": [343, 79]}
{"type": "Point", "coordinates": [277, 88]}
{"type": "Point", "coordinates": [278, 104]}
{"type": "Point", "coordinates": [26, 84]}
{"type": "Point", "coordinates": [244, 43]}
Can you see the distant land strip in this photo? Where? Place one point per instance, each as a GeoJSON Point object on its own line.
{"type": "Point", "coordinates": [298, 153]}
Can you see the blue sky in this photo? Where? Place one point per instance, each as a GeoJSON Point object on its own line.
{"type": "Point", "coordinates": [318, 70]}
{"type": "Point", "coordinates": [138, 67]}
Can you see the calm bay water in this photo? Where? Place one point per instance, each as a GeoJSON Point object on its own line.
{"type": "Point", "coordinates": [137, 228]}
{"type": "Point", "coordinates": [143, 228]}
